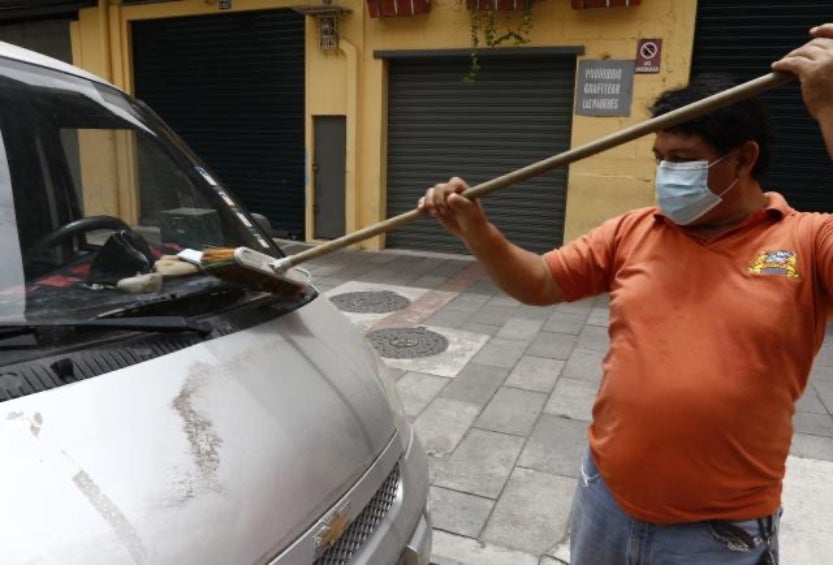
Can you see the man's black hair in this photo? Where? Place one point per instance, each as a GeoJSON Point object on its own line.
{"type": "Point", "coordinates": [725, 128]}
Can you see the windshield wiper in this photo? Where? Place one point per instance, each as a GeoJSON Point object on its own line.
{"type": "Point", "coordinates": [164, 324]}
{"type": "Point", "coordinates": [189, 302]}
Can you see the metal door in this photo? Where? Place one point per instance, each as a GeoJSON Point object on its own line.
{"type": "Point", "coordinates": [328, 169]}
{"type": "Point", "coordinates": [49, 37]}
{"type": "Point", "coordinates": [742, 38]}
{"type": "Point", "coordinates": [517, 112]}
{"type": "Point", "coordinates": [232, 85]}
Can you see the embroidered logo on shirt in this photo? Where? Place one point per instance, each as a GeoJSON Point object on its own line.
{"type": "Point", "coordinates": [776, 263]}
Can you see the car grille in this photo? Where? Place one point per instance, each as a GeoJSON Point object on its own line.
{"type": "Point", "coordinates": [364, 525]}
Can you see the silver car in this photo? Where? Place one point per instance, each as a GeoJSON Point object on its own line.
{"type": "Point", "coordinates": [177, 418]}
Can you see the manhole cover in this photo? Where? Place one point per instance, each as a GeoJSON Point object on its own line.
{"type": "Point", "coordinates": [372, 302]}
{"type": "Point", "coordinates": [407, 343]}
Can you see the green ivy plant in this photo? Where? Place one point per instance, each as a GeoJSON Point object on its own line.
{"type": "Point", "coordinates": [486, 29]}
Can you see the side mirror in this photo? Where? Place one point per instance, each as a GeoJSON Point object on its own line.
{"type": "Point", "coordinates": [263, 223]}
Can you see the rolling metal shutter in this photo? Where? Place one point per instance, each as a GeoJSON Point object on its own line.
{"type": "Point", "coordinates": [232, 86]}
{"type": "Point", "coordinates": [48, 37]}
{"type": "Point", "coordinates": [518, 111]}
{"type": "Point", "coordinates": [26, 9]}
{"type": "Point", "coordinates": [743, 37]}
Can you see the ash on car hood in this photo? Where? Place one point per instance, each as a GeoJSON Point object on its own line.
{"type": "Point", "coordinates": [220, 453]}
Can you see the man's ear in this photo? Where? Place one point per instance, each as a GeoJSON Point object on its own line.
{"type": "Point", "coordinates": [747, 157]}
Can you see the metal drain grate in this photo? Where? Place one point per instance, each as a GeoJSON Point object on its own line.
{"type": "Point", "coordinates": [364, 525]}
{"type": "Point", "coordinates": [370, 302]}
{"type": "Point", "coordinates": [407, 343]}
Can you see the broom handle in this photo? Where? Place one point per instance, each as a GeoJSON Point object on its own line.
{"type": "Point", "coordinates": [663, 122]}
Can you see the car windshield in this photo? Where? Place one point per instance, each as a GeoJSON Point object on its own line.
{"type": "Point", "coordinates": [95, 189]}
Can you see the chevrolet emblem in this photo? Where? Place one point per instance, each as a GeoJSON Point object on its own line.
{"type": "Point", "coordinates": [331, 528]}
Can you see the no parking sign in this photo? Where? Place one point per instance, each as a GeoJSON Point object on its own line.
{"type": "Point", "coordinates": [648, 55]}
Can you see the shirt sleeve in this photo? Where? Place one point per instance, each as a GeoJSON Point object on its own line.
{"type": "Point", "coordinates": [584, 267]}
{"type": "Point", "coordinates": [824, 253]}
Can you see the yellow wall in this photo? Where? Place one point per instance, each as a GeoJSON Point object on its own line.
{"type": "Point", "coordinates": [621, 179]}
{"type": "Point", "coordinates": [599, 187]}
{"type": "Point", "coordinates": [351, 82]}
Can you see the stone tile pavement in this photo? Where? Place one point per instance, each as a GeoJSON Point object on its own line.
{"type": "Point", "coordinates": [503, 411]}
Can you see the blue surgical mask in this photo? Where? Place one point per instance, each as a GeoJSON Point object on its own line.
{"type": "Point", "coordinates": [683, 192]}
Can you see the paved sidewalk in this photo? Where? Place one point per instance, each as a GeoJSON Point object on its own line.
{"type": "Point", "coordinates": [503, 409]}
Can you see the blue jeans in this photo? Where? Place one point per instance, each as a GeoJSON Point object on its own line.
{"type": "Point", "coordinates": [602, 534]}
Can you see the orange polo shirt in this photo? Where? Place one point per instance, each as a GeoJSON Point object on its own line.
{"type": "Point", "coordinates": [711, 344]}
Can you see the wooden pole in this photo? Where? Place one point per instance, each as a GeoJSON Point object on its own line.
{"type": "Point", "coordinates": [663, 122]}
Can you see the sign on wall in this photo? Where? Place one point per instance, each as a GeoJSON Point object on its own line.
{"type": "Point", "coordinates": [605, 88]}
{"type": "Point", "coordinates": [648, 55]}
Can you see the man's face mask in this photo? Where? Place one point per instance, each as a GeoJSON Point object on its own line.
{"type": "Point", "coordinates": [683, 192]}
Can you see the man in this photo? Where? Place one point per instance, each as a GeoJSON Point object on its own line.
{"type": "Point", "coordinates": [718, 302]}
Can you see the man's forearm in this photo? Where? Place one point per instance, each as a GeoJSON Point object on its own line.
{"type": "Point", "coordinates": [519, 273]}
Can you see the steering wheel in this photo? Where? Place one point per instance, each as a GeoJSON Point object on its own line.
{"type": "Point", "coordinates": [76, 228]}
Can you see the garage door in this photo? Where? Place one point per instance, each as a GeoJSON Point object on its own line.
{"type": "Point", "coordinates": [743, 37]}
{"type": "Point", "coordinates": [49, 37]}
{"type": "Point", "coordinates": [518, 111]}
{"type": "Point", "coordinates": [232, 86]}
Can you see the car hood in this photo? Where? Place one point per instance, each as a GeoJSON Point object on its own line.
{"type": "Point", "coordinates": [219, 453]}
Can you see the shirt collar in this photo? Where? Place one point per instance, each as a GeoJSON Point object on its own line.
{"type": "Point", "coordinates": [776, 207]}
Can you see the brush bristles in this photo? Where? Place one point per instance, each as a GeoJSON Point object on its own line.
{"type": "Point", "coordinates": [253, 280]}
{"type": "Point", "coordinates": [220, 263]}
{"type": "Point", "coordinates": [217, 258]}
